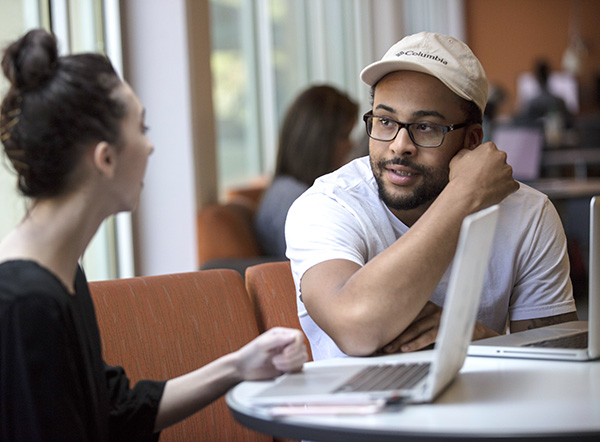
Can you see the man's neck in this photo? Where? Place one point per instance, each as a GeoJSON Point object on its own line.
{"type": "Point", "coordinates": [409, 217]}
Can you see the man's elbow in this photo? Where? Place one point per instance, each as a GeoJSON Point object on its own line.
{"type": "Point", "coordinates": [358, 342]}
{"type": "Point", "coordinates": [354, 330]}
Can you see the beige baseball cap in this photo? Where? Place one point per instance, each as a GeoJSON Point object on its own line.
{"type": "Point", "coordinates": [444, 57]}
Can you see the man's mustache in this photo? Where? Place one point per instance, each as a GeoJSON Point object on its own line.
{"type": "Point", "coordinates": [402, 162]}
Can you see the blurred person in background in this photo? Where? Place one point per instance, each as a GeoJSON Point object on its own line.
{"type": "Point", "coordinates": [545, 109]}
{"type": "Point", "coordinates": [314, 140]}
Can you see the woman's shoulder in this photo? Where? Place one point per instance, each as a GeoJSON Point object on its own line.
{"type": "Point", "coordinates": [25, 280]}
{"type": "Point", "coordinates": [288, 184]}
{"type": "Point", "coordinates": [282, 192]}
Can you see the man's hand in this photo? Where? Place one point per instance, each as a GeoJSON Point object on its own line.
{"type": "Point", "coordinates": [422, 332]}
{"type": "Point", "coordinates": [484, 173]}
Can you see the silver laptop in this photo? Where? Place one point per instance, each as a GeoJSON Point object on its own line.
{"type": "Point", "coordinates": [410, 378]}
{"type": "Point", "coordinates": [577, 340]}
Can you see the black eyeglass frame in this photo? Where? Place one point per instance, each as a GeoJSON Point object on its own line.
{"type": "Point", "coordinates": [445, 129]}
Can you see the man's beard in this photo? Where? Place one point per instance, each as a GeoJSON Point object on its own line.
{"type": "Point", "coordinates": [434, 181]}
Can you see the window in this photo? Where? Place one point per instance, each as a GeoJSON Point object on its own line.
{"type": "Point", "coordinates": [264, 53]}
{"type": "Point", "coordinates": [16, 17]}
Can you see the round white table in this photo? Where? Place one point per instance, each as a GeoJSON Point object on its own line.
{"type": "Point", "coordinates": [491, 399]}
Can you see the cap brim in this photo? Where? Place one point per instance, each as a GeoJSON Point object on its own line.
{"type": "Point", "coordinates": [376, 71]}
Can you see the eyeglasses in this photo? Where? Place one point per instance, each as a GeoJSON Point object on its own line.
{"type": "Point", "coordinates": [422, 134]}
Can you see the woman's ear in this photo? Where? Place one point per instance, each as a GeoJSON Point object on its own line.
{"type": "Point", "coordinates": [474, 136]}
{"type": "Point", "coordinates": [104, 158]}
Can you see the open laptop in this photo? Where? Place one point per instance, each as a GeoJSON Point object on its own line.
{"type": "Point", "coordinates": [402, 379]}
{"type": "Point", "coordinates": [577, 340]}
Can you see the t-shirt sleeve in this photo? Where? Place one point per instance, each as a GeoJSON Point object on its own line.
{"type": "Point", "coordinates": [132, 410]}
{"type": "Point", "coordinates": [543, 286]}
{"type": "Point", "coordinates": [319, 228]}
{"type": "Point", "coordinates": [40, 399]}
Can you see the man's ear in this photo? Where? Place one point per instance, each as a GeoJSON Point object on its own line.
{"type": "Point", "coordinates": [104, 157]}
{"type": "Point", "coordinates": [474, 136]}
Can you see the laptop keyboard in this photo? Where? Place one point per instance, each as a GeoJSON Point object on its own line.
{"type": "Point", "coordinates": [387, 377]}
{"type": "Point", "coordinates": [579, 340]}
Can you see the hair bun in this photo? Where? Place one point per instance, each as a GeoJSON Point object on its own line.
{"type": "Point", "coordinates": [30, 62]}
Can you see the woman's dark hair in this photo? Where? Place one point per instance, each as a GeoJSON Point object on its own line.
{"type": "Point", "coordinates": [55, 107]}
{"type": "Point", "coordinates": [317, 119]}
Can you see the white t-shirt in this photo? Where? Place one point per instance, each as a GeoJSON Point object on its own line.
{"type": "Point", "coordinates": [342, 217]}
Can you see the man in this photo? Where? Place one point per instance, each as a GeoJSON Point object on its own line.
{"type": "Point", "coordinates": [544, 104]}
{"type": "Point", "coordinates": [371, 243]}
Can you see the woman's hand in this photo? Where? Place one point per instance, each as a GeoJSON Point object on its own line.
{"type": "Point", "coordinates": [278, 350]}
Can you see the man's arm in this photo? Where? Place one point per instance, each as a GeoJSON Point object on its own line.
{"type": "Point", "coordinates": [364, 308]}
{"type": "Point", "coordinates": [528, 324]}
{"type": "Point", "coordinates": [422, 332]}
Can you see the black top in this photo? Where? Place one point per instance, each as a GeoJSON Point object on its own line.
{"type": "Point", "coordinates": [54, 384]}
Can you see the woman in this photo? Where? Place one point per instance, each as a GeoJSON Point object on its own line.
{"type": "Point", "coordinates": [314, 140]}
{"type": "Point", "coordinates": [75, 134]}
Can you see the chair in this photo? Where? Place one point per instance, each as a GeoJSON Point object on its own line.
{"type": "Point", "coordinates": [159, 327]}
{"type": "Point", "coordinates": [225, 232]}
{"type": "Point", "coordinates": [273, 294]}
{"type": "Point", "coordinates": [523, 147]}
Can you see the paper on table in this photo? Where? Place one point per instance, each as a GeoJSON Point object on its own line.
{"type": "Point", "coordinates": [315, 409]}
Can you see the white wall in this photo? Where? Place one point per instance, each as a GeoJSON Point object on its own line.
{"type": "Point", "coordinates": [157, 67]}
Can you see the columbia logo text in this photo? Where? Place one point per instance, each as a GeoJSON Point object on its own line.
{"type": "Point", "coordinates": [421, 54]}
